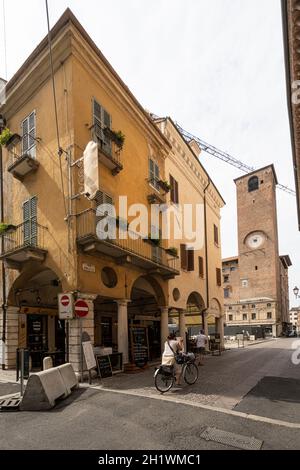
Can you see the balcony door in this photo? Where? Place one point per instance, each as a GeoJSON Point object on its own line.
{"type": "Point", "coordinates": [30, 227]}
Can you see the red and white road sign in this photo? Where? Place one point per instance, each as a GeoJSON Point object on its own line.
{"type": "Point", "coordinates": [65, 306]}
{"type": "Point", "coordinates": [81, 308]}
{"type": "Point", "coordinates": [65, 300]}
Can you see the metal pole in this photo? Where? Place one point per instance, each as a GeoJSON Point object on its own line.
{"type": "Point", "coordinates": [67, 340]}
{"type": "Point", "coordinates": [3, 278]}
{"type": "Point", "coordinates": [22, 372]}
{"type": "Point", "coordinates": [81, 352]}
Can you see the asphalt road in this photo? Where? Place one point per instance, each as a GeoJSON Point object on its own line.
{"type": "Point", "coordinates": [101, 419]}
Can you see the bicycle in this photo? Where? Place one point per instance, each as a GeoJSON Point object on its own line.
{"type": "Point", "coordinates": [164, 376]}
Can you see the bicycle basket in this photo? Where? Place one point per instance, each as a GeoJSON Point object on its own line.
{"type": "Point", "coordinates": [179, 359]}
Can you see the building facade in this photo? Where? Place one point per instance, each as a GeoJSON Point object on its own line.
{"type": "Point", "coordinates": [256, 294]}
{"type": "Point", "coordinates": [295, 318]}
{"type": "Point", "coordinates": [53, 244]}
{"type": "Point", "coordinates": [195, 296]}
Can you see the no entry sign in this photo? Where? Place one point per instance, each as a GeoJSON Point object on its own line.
{"type": "Point", "coordinates": [65, 306]}
{"type": "Point", "coordinates": [81, 308]}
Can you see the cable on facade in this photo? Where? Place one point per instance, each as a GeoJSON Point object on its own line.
{"type": "Point", "coordinates": [60, 150]}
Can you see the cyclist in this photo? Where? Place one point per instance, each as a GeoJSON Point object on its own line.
{"type": "Point", "coordinates": [172, 347]}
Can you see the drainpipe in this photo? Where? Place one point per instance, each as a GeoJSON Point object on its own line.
{"type": "Point", "coordinates": [206, 251]}
{"type": "Point", "coordinates": [3, 278]}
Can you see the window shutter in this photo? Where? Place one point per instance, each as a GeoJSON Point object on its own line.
{"type": "Point", "coordinates": [151, 170]}
{"type": "Point", "coordinates": [31, 132]}
{"type": "Point", "coordinates": [106, 123]}
{"type": "Point", "coordinates": [172, 195]}
{"type": "Point", "coordinates": [25, 136]}
{"type": "Point", "coordinates": [183, 256]}
{"type": "Point", "coordinates": [190, 256]}
{"type": "Point", "coordinates": [201, 266]}
{"type": "Point", "coordinates": [97, 123]}
{"type": "Point", "coordinates": [176, 192]}
{"type": "Point", "coordinates": [218, 275]}
{"type": "Point", "coordinates": [156, 172]}
{"type": "Point", "coordinates": [30, 221]}
{"type": "Point", "coordinates": [216, 235]}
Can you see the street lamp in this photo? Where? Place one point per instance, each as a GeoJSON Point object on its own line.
{"type": "Point", "coordinates": [296, 292]}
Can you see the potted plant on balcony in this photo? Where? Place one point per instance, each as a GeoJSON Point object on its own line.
{"type": "Point", "coordinates": [116, 136]}
{"type": "Point", "coordinates": [5, 136]}
{"type": "Point", "coordinates": [173, 251]}
{"type": "Point", "coordinates": [164, 185]}
{"type": "Point", "coordinates": [13, 141]}
{"type": "Point", "coordinates": [6, 228]}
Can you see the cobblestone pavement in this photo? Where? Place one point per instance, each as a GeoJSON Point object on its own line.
{"type": "Point", "coordinates": [223, 380]}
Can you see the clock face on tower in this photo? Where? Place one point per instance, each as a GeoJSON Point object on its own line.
{"type": "Point", "coordinates": [255, 239]}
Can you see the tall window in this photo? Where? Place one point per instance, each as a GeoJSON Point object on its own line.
{"type": "Point", "coordinates": [153, 173]}
{"type": "Point", "coordinates": [30, 221]}
{"type": "Point", "coordinates": [190, 257]}
{"type": "Point", "coordinates": [253, 184]}
{"type": "Point", "coordinates": [216, 235]}
{"type": "Point", "coordinates": [269, 315]}
{"type": "Point", "coordinates": [218, 277]}
{"type": "Point", "coordinates": [201, 266]}
{"type": "Point", "coordinates": [253, 316]}
{"type": "Point", "coordinates": [174, 190]}
{"type": "Point", "coordinates": [244, 316]}
{"type": "Point", "coordinates": [226, 293]}
{"type": "Point", "coordinates": [230, 317]}
{"type": "Point", "coordinates": [28, 135]}
{"type": "Point", "coordinates": [102, 198]}
{"type": "Point", "coordinates": [101, 121]}
{"type": "Point", "coordinates": [183, 256]}
{"type": "Point", "coordinates": [187, 258]}
{"type": "Point", "coordinates": [226, 278]}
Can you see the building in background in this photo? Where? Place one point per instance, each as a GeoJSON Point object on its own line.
{"type": "Point", "coordinates": [256, 293]}
{"type": "Point", "coordinates": [295, 318]}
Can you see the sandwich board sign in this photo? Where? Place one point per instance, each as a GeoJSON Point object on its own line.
{"type": "Point", "coordinates": [65, 306]}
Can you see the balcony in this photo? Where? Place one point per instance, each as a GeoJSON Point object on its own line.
{"type": "Point", "coordinates": [138, 252]}
{"type": "Point", "coordinates": [22, 164]}
{"type": "Point", "coordinates": [26, 242]}
{"type": "Point", "coordinates": [109, 149]}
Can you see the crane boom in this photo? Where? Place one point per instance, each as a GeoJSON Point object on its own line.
{"type": "Point", "coordinates": [225, 157]}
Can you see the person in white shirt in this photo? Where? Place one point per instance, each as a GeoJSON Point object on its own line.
{"type": "Point", "coordinates": [201, 341]}
{"type": "Point", "coordinates": [172, 347]}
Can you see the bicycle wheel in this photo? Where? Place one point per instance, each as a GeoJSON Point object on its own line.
{"type": "Point", "coordinates": [190, 374]}
{"type": "Point", "coordinates": [163, 382]}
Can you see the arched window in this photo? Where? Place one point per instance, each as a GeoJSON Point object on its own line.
{"type": "Point", "coordinates": [253, 184]}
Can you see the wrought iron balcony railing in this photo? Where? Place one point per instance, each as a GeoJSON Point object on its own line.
{"type": "Point", "coordinates": [127, 245]}
{"type": "Point", "coordinates": [24, 242]}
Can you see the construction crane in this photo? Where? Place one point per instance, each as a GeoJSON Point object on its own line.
{"type": "Point", "coordinates": [225, 157]}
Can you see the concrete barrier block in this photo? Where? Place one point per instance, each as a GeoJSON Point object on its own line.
{"type": "Point", "coordinates": [47, 363]}
{"type": "Point", "coordinates": [42, 390]}
{"type": "Point", "coordinates": [68, 376]}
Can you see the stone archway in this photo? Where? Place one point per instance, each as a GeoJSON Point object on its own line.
{"type": "Point", "coordinates": [145, 311]}
{"type": "Point", "coordinates": [32, 317]}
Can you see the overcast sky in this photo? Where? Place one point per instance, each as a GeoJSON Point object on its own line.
{"type": "Point", "coordinates": [215, 66]}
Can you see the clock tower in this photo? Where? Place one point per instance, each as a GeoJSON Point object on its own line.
{"type": "Point", "coordinates": [259, 269]}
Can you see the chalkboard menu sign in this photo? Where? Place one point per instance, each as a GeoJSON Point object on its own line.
{"type": "Point", "coordinates": [104, 366]}
{"type": "Point", "coordinates": [139, 345]}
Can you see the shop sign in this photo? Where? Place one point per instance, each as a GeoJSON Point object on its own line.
{"type": "Point", "coordinates": [65, 306]}
{"type": "Point", "coordinates": [90, 268]}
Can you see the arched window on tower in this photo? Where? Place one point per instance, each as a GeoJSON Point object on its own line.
{"type": "Point", "coordinates": [253, 184]}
